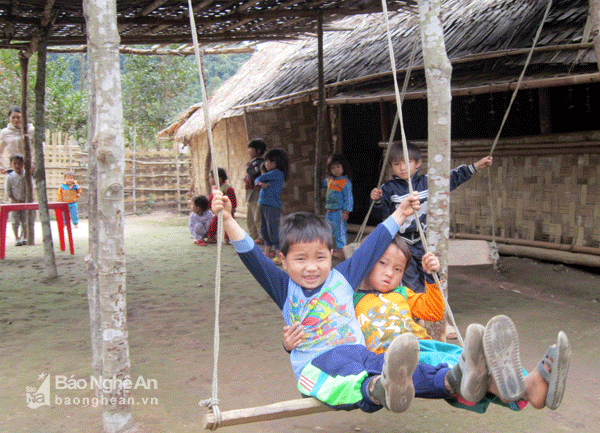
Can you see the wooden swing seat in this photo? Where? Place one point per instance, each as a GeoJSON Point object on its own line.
{"type": "Point", "coordinates": [270, 412]}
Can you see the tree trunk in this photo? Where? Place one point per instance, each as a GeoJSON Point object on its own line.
{"type": "Point", "coordinates": [40, 170]}
{"type": "Point", "coordinates": [438, 71]}
{"type": "Point", "coordinates": [318, 175]}
{"type": "Point", "coordinates": [595, 19]}
{"type": "Point", "coordinates": [106, 261]}
{"type": "Point", "coordinates": [28, 229]}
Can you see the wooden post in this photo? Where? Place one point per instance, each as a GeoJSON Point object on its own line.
{"type": "Point", "coordinates": [595, 19]}
{"type": "Point", "coordinates": [29, 227]}
{"type": "Point", "coordinates": [106, 262]}
{"type": "Point", "coordinates": [133, 173]}
{"type": "Point", "coordinates": [40, 171]}
{"type": "Point", "coordinates": [178, 193]}
{"type": "Point", "coordinates": [320, 118]}
{"type": "Point", "coordinates": [438, 71]}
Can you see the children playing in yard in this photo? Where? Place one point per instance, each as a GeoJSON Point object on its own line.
{"type": "Point", "coordinates": [386, 309]}
{"type": "Point", "coordinates": [332, 362]}
{"type": "Point", "coordinates": [392, 192]}
{"type": "Point", "coordinates": [200, 219]}
{"type": "Point", "coordinates": [338, 200]}
{"type": "Point", "coordinates": [225, 188]}
{"type": "Point", "coordinates": [256, 149]}
{"type": "Point", "coordinates": [271, 184]}
{"type": "Point", "coordinates": [69, 192]}
{"type": "Point", "coordinates": [14, 187]}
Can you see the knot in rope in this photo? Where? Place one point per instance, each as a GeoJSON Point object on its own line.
{"type": "Point", "coordinates": [212, 404]}
{"type": "Point", "coordinates": [494, 254]}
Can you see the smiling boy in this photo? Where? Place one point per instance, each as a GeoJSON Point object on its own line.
{"type": "Point", "coordinates": [332, 362]}
{"type": "Point", "coordinates": [385, 309]}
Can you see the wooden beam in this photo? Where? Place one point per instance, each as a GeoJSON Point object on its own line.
{"type": "Point", "coordinates": [284, 409]}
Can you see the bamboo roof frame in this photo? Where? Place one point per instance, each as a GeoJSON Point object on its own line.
{"type": "Point", "coordinates": [142, 22]}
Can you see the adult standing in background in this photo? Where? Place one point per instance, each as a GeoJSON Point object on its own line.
{"type": "Point", "coordinates": [11, 139]}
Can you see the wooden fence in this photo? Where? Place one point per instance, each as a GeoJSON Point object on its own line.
{"type": "Point", "coordinates": [153, 179]}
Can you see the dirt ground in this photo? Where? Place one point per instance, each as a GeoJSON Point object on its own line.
{"type": "Point", "coordinates": [44, 331]}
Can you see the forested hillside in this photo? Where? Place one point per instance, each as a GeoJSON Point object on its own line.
{"type": "Point", "coordinates": [155, 89]}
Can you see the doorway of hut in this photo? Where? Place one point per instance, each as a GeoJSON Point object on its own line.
{"type": "Point", "coordinates": [361, 134]}
{"type": "Point", "coordinates": [365, 132]}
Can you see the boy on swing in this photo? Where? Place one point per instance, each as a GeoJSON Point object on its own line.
{"type": "Point", "coordinates": [332, 362]}
{"type": "Point", "coordinates": [385, 309]}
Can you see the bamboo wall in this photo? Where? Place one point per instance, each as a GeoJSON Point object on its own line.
{"type": "Point", "coordinates": [294, 129]}
{"type": "Point", "coordinates": [231, 144]}
{"type": "Point", "coordinates": [544, 188]}
{"type": "Point", "coordinates": [155, 175]}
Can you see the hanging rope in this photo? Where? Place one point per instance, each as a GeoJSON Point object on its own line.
{"type": "Point", "coordinates": [213, 402]}
{"type": "Point", "coordinates": [386, 158]}
{"type": "Point", "coordinates": [406, 158]}
{"type": "Point", "coordinates": [494, 255]}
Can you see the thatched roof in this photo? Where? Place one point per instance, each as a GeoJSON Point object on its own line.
{"type": "Point", "coordinates": [471, 28]}
{"type": "Point", "coordinates": [167, 21]}
{"type": "Point", "coordinates": [262, 67]}
{"type": "Point", "coordinates": [357, 61]}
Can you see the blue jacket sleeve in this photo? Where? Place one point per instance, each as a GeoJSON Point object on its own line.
{"type": "Point", "coordinates": [272, 279]}
{"type": "Point", "coordinates": [461, 174]}
{"type": "Point", "coordinates": [348, 199]}
{"type": "Point", "coordinates": [358, 266]}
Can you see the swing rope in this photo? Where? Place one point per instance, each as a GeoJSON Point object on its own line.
{"type": "Point", "coordinates": [386, 158]}
{"type": "Point", "coordinates": [494, 255]}
{"type": "Point", "coordinates": [213, 402]}
{"type": "Point", "coordinates": [406, 159]}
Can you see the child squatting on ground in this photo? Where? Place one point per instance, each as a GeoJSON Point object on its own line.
{"type": "Point", "coordinates": [200, 219]}
{"type": "Point", "coordinates": [69, 192]}
{"type": "Point", "coordinates": [338, 200]}
{"type": "Point", "coordinates": [392, 192]}
{"type": "Point", "coordinates": [385, 309]}
{"type": "Point", "coordinates": [333, 363]}
{"type": "Point", "coordinates": [14, 187]}
{"type": "Point", "coordinates": [226, 188]}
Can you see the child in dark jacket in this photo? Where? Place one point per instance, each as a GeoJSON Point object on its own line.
{"type": "Point", "coordinates": [392, 192]}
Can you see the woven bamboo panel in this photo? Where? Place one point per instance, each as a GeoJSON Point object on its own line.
{"type": "Point", "coordinates": [231, 148]}
{"type": "Point", "coordinates": [292, 128]}
{"type": "Point", "coordinates": [551, 198]}
{"type": "Point", "coordinates": [155, 174]}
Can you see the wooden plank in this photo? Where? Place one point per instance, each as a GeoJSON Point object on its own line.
{"type": "Point", "coordinates": [284, 409]}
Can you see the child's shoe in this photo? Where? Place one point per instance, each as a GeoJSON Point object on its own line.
{"type": "Point", "coordinates": [211, 240]}
{"type": "Point", "coordinates": [501, 347]}
{"type": "Point", "coordinates": [557, 361]}
{"type": "Point", "coordinates": [200, 243]}
{"type": "Point", "coordinates": [19, 243]}
{"type": "Point", "coordinates": [469, 378]}
{"type": "Point", "coordinates": [395, 389]}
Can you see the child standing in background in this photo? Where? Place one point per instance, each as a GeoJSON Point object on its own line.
{"type": "Point", "coordinates": [69, 192]}
{"type": "Point", "coordinates": [271, 184]}
{"type": "Point", "coordinates": [14, 186]}
{"type": "Point", "coordinates": [200, 219]}
{"type": "Point", "coordinates": [228, 190]}
{"type": "Point", "coordinates": [338, 200]}
{"type": "Point", "coordinates": [256, 149]}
